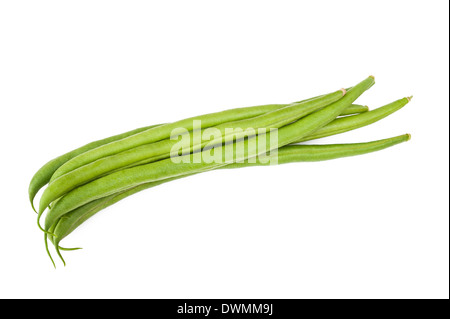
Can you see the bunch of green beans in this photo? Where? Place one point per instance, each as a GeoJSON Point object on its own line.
{"type": "Point", "coordinates": [86, 180]}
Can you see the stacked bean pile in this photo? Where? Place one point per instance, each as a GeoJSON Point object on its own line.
{"type": "Point", "coordinates": [97, 175]}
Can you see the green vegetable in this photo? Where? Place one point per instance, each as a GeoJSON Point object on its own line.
{"type": "Point", "coordinates": [126, 178]}
{"type": "Point", "coordinates": [88, 179]}
{"type": "Point", "coordinates": [101, 166]}
{"type": "Point", "coordinates": [344, 124]}
{"type": "Point", "coordinates": [44, 174]}
{"type": "Point", "coordinates": [287, 154]}
{"type": "Point", "coordinates": [251, 116]}
{"type": "Point", "coordinates": [355, 109]}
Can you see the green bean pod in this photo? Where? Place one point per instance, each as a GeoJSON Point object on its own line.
{"type": "Point", "coordinates": [287, 154]}
{"type": "Point", "coordinates": [348, 123]}
{"type": "Point", "coordinates": [164, 131]}
{"type": "Point", "coordinates": [352, 109]}
{"type": "Point", "coordinates": [162, 149]}
{"type": "Point", "coordinates": [43, 175]}
{"type": "Point", "coordinates": [164, 169]}
{"type": "Point", "coordinates": [355, 109]}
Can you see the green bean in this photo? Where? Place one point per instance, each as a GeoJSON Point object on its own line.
{"type": "Point", "coordinates": [161, 133]}
{"type": "Point", "coordinates": [355, 109]}
{"type": "Point", "coordinates": [287, 154]}
{"type": "Point", "coordinates": [352, 109]}
{"type": "Point", "coordinates": [348, 123]}
{"type": "Point", "coordinates": [164, 169]}
{"type": "Point", "coordinates": [266, 114]}
{"type": "Point", "coordinates": [43, 175]}
{"type": "Point", "coordinates": [82, 175]}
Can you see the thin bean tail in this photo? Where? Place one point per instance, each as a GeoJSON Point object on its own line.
{"type": "Point", "coordinates": [48, 250]}
{"type": "Point", "coordinates": [32, 204]}
{"type": "Point", "coordinates": [60, 255]}
{"type": "Point", "coordinates": [69, 249]}
{"type": "Point", "coordinates": [41, 228]}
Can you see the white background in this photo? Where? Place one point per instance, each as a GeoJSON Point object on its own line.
{"type": "Point", "coordinates": [372, 226]}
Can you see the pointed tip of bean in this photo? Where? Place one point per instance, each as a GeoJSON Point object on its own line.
{"type": "Point", "coordinates": [31, 198]}
{"type": "Point", "coordinates": [34, 208]}
{"type": "Point", "coordinates": [409, 98]}
{"type": "Point", "coordinates": [45, 231]}
{"type": "Point", "coordinates": [344, 91]}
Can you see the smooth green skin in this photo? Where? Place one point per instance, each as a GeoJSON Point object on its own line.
{"type": "Point", "coordinates": [47, 172]}
{"type": "Point", "coordinates": [161, 149]}
{"type": "Point", "coordinates": [355, 109]}
{"type": "Point", "coordinates": [287, 154]}
{"type": "Point", "coordinates": [284, 154]}
{"type": "Point", "coordinates": [43, 175]}
{"type": "Point", "coordinates": [164, 169]}
{"type": "Point", "coordinates": [348, 123]}
{"type": "Point", "coordinates": [352, 109]}
{"type": "Point", "coordinates": [163, 132]}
